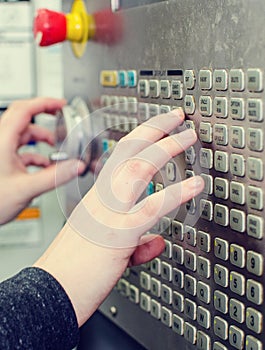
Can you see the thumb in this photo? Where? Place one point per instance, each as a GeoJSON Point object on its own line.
{"type": "Point", "coordinates": [55, 175]}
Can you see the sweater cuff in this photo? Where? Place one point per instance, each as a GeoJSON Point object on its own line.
{"type": "Point", "coordinates": [36, 313]}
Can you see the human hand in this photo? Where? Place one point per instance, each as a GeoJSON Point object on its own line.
{"type": "Point", "coordinates": [105, 232]}
{"type": "Point", "coordinates": [17, 186]}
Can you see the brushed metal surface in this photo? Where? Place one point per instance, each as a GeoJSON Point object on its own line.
{"type": "Point", "coordinates": [180, 35]}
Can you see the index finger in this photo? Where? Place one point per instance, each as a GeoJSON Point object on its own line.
{"type": "Point", "coordinates": [20, 113]}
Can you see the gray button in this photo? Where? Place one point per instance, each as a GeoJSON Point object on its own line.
{"type": "Point", "coordinates": [237, 136]}
{"type": "Point", "coordinates": [189, 104]}
{"type": "Point", "coordinates": [190, 309]}
{"type": "Point", "coordinates": [134, 294]}
{"type": "Point", "coordinates": [255, 139]}
{"type": "Point", "coordinates": [189, 173]}
{"type": "Point", "coordinates": [178, 325]}
{"type": "Point", "coordinates": [255, 198]}
{"type": "Point", "coordinates": [221, 301]}
{"type": "Point", "coordinates": [164, 89]}
{"type": "Point", "coordinates": [177, 230]}
{"type": "Point", "coordinates": [206, 209]}
{"type": "Point", "coordinates": [190, 333]}
{"type": "Point", "coordinates": [203, 292]}
{"type": "Point", "coordinates": [237, 310]}
{"type": "Point", "coordinates": [177, 89]}
{"type": "Point", "coordinates": [221, 161]}
{"type": "Point", "coordinates": [208, 183]}
{"type": "Point", "coordinates": [220, 134]}
{"type": "Point", "coordinates": [178, 254]}
{"type": "Point", "coordinates": [166, 316]}
{"type": "Point", "coordinates": [155, 266]}
{"type": "Point", "coordinates": [168, 249]}
{"type": "Point", "coordinates": [255, 263]}
{"type": "Point", "coordinates": [203, 341]}
{"type": "Point", "coordinates": [206, 106]}
{"type": "Point", "coordinates": [205, 132]}
{"type": "Point", "coordinates": [132, 105]}
{"type": "Point", "coordinates": [189, 124]}
{"type": "Point", "coordinates": [165, 225]}
{"type": "Point", "coordinates": [164, 109]}
{"type": "Point", "coordinates": [145, 280]}
{"type": "Point", "coordinates": [206, 158]}
{"type": "Point", "coordinates": [189, 79]}
{"type": "Point", "coordinates": [220, 79]}
{"type": "Point", "coordinates": [254, 110]}
{"type": "Point", "coordinates": [255, 168]}
{"type": "Point", "coordinates": [178, 301]}
{"type": "Point", "coordinates": [237, 220]}
{"type": "Point", "coordinates": [253, 343]}
{"type": "Point", "coordinates": [205, 79]}
{"type": "Point", "coordinates": [237, 192]}
{"type": "Point", "coordinates": [220, 328]}
{"type": "Point", "coordinates": [237, 164]}
{"type": "Point", "coordinates": [154, 110]}
{"type": "Point", "coordinates": [237, 283]}
{"type": "Point", "coordinates": [254, 80]}
{"type": "Point", "coordinates": [190, 155]}
{"type": "Point", "coordinates": [254, 320]}
{"type": "Point", "coordinates": [190, 260]}
{"type": "Point", "coordinates": [145, 302]}
{"type": "Point", "coordinates": [254, 292]}
{"type": "Point", "coordinates": [166, 294]}
{"type": "Point", "coordinates": [204, 241]}
{"type": "Point", "coordinates": [190, 285]}
{"type": "Point", "coordinates": [236, 337]}
{"type": "Point", "coordinates": [236, 80]}
{"type": "Point", "coordinates": [203, 317]}
{"type": "Point", "coordinates": [155, 287]}
{"type": "Point", "coordinates": [221, 214]}
{"type": "Point", "coordinates": [221, 275]}
{"type": "Point", "coordinates": [219, 346]}
{"type": "Point", "coordinates": [237, 109]}
{"type": "Point", "coordinates": [190, 235]}
{"type": "Point", "coordinates": [154, 88]}
{"type": "Point", "coordinates": [220, 107]}
{"type": "Point", "coordinates": [143, 88]}
{"type": "Point", "coordinates": [143, 111]}
{"type": "Point", "coordinates": [155, 309]}
{"type": "Point", "coordinates": [221, 188]}
{"type": "Point", "coordinates": [171, 171]}
{"type": "Point", "coordinates": [237, 255]}
{"type": "Point", "coordinates": [123, 287]}
{"type": "Point", "coordinates": [255, 226]}
{"type": "Point", "coordinates": [178, 278]}
{"type": "Point", "coordinates": [203, 267]}
{"type": "Point", "coordinates": [221, 248]}
{"type": "Point", "coordinates": [166, 271]}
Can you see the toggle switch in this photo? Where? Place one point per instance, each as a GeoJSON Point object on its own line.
{"type": "Point", "coordinates": [78, 26]}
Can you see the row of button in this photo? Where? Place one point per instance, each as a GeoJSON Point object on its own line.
{"type": "Point", "coordinates": [207, 107]}
{"type": "Point", "coordinates": [218, 80]}
{"type": "Point", "coordinates": [220, 135]}
{"type": "Point", "coordinates": [199, 313]}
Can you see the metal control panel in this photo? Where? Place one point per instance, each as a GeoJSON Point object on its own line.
{"type": "Point", "coordinates": [206, 291]}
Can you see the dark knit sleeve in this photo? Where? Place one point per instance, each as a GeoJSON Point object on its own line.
{"type": "Point", "coordinates": [36, 313]}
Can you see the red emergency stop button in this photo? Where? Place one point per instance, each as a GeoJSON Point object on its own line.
{"type": "Point", "coordinates": [50, 27]}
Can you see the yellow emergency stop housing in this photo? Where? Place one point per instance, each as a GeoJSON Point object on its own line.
{"type": "Point", "coordinates": [80, 27]}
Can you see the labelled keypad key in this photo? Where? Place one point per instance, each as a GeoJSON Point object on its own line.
{"type": "Point", "coordinates": [178, 301]}
{"type": "Point", "coordinates": [203, 267]}
{"type": "Point", "coordinates": [236, 337]}
{"type": "Point", "coordinates": [220, 328]}
{"type": "Point", "coordinates": [255, 263]}
{"type": "Point", "coordinates": [221, 248]}
{"type": "Point", "coordinates": [221, 301]}
{"type": "Point", "coordinates": [203, 317]}
{"type": "Point", "coordinates": [221, 275]}
{"type": "Point", "coordinates": [237, 283]}
{"type": "Point", "coordinates": [237, 310]}
{"type": "Point", "coordinates": [253, 343]}
{"type": "Point", "coordinates": [237, 255]}
{"type": "Point", "coordinates": [178, 324]}
{"type": "Point", "coordinates": [254, 320]}
{"type": "Point", "coordinates": [203, 341]}
{"type": "Point", "coordinates": [255, 292]}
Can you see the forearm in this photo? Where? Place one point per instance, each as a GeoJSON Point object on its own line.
{"type": "Point", "coordinates": [89, 285]}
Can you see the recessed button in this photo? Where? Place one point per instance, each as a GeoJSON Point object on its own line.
{"type": "Point", "coordinates": [236, 80]}
{"type": "Point", "coordinates": [205, 79]}
{"type": "Point", "coordinates": [254, 80]}
{"type": "Point", "coordinates": [189, 79]}
{"type": "Point", "coordinates": [220, 79]}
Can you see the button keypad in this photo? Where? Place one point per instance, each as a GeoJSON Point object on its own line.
{"type": "Point", "coordinates": [207, 286]}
